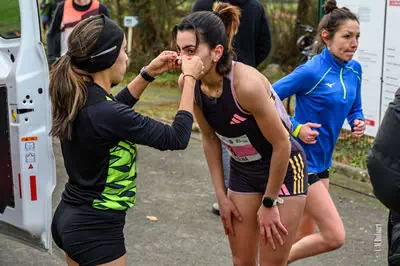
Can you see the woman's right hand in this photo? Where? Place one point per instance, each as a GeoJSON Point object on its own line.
{"type": "Point", "coordinates": [307, 134]}
{"type": "Point", "coordinates": [192, 66]}
{"type": "Point", "coordinates": [226, 209]}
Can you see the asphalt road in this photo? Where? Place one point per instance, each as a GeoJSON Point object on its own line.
{"type": "Point", "coordinates": [176, 188]}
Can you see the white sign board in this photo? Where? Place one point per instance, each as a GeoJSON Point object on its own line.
{"type": "Point", "coordinates": [371, 14]}
{"type": "Point", "coordinates": [130, 21]}
{"type": "Point", "coordinates": [391, 68]}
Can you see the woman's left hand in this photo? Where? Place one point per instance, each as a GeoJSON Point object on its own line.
{"type": "Point", "coordinates": [359, 128]}
{"type": "Point", "coordinates": [270, 225]}
{"type": "Point", "coordinates": [164, 62]}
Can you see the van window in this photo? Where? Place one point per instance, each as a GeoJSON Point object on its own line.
{"type": "Point", "coordinates": [10, 21]}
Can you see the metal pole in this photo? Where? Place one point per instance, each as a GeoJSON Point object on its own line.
{"type": "Point", "coordinates": [321, 12]}
{"type": "Point", "coordinates": [130, 37]}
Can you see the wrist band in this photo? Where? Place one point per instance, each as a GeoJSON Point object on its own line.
{"type": "Point", "coordinates": [146, 75]}
{"type": "Point", "coordinates": [188, 75]}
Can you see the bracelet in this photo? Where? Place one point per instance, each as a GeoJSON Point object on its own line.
{"type": "Point", "coordinates": [188, 75]}
{"type": "Point", "coordinates": [146, 75]}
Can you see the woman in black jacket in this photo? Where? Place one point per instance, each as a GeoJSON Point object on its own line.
{"type": "Point", "coordinates": [99, 133]}
{"type": "Point", "coordinates": [384, 169]}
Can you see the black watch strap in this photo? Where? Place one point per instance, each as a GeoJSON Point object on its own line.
{"type": "Point", "coordinates": [146, 75]}
{"type": "Point", "coordinates": [269, 202]}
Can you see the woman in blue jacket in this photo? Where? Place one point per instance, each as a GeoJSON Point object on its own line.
{"type": "Point", "coordinates": [328, 90]}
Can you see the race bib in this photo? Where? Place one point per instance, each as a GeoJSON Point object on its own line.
{"type": "Point", "coordinates": [240, 148]}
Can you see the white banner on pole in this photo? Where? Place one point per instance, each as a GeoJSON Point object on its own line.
{"type": "Point", "coordinates": [391, 68]}
{"type": "Point", "coordinates": [371, 14]}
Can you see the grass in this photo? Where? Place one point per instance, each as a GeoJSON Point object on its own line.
{"type": "Point", "coordinates": [161, 98]}
{"type": "Point", "coordinates": [9, 20]}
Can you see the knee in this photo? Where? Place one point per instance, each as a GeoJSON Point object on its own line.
{"type": "Point", "coordinates": [335, 240]}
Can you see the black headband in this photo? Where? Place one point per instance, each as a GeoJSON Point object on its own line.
{"type": "Point", "coordinates": [106, 49]}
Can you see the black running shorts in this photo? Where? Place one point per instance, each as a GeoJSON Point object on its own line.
{"type": "Point", "coordinates": [89, 236]}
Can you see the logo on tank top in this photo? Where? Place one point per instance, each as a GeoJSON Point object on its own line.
{"type": "Point", "coordinates": [237, 119]}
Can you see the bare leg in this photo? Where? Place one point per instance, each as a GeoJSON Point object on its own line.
{"type": "Point", "coordinates": [244, 244]}
{"type": "Point", "coordinates": [291, 212]}
{"type": "Point", "coordinates": [320, 206]}
{"type": "Point", "coordinates": [70, 262]}
{"type": "Point", "coordinates": [118, 262]}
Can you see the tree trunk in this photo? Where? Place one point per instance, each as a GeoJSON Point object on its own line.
{"type": "Point", "coordinates": [303, 9]}
{"type": "Point", "coordinates": [118, 11]}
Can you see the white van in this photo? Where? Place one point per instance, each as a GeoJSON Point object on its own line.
{"type": "Point", "coordinates": [27, 164]}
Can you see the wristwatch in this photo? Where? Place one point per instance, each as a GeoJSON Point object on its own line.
{"type": "Point", "coordinates": [146, 75]}
{"type": "Point", "coordinates": [268, 202]}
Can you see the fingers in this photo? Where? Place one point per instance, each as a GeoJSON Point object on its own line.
{"type": "Point", "coordinates": [237, 214]}
{"type": "Point", "coordinates": [313, 125]}
{"type": "Point", "coordinates": [223, 219]}
{"type": "Point", "coordinates": [282, 228]}
{"type": "Point", "coordinates": [263, 234]}
{"type": "Point", "coordinates": [276, 234]}
{"type": "Point", "coordinates": [359, 128]}
{"type": "Point", "coordinates": [308, 139]}
{"type": "Point", "coordinates": [270, 239]}
{"type": "Point", "coordinates": [192, 65]}
{"type": "Point", "coordinates": [359, 123]}
{"type": "Point", "coordinates": [227, 221]}
{"type": "Point", "coordinates": [358, 133]}
{"type": "Point", "coordinates": [167, 56]}
{"type": "Point", "coordinates": [270, 233]}
{"type": "Point", "coordinates": [171, 64]}
{"type": "Point", "coordinates": [307, 134]}
{"type": "Point", "coordinates": [313, 133]}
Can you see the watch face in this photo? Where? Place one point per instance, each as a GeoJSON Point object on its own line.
{"type": "Point", "coordinates": [268, 202]}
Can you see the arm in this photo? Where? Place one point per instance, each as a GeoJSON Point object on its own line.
{"type": "Point", "coordinates": [356, 112]}
{"type": "Point", "coordinates": [162, 63]}
{"type": "Point", "coordinates": [296, 83]}
{"type": "Point", "coordinates": [263, 43]}
{"type": "Point", "coordinates": [54, 34]}
{"type": "Point", "coordinates": [126, 124]}
{"type": "Point", "coordinates": [212, 148]}
{"type": "Point", "coordinates": [212, 151]}
{"type": "Point", "coordinates": [254, 95]}
{"type": "Point", "coordinates": [251, 96]}
{"type": "Point", "coordinates": [117, 122]}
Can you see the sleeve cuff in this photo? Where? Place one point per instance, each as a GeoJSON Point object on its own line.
{"type": "Point", "coordinates": [297, 130]}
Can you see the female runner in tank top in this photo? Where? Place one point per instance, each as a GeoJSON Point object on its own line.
{"type": "Point", "coordinates": [236, 105]}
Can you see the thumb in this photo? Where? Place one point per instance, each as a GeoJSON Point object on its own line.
{"type": "Point", "coordinates": [313, 133]}
{"type": "Point", "coordinates": [313, 125]}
